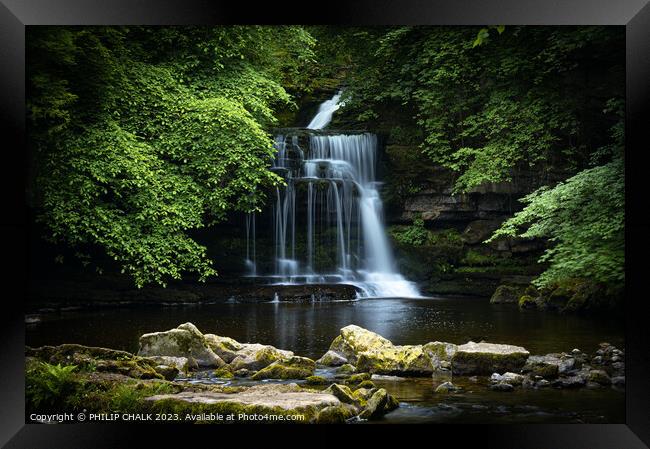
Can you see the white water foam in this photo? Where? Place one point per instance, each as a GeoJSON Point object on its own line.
{"type": "Point", "coordinates": [342, 196]}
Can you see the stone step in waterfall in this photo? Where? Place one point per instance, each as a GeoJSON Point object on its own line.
{"type": "Point", "coordinates": [330, 205]}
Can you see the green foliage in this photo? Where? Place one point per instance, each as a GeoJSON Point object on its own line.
{"type": "Point", "coordinates": [414, 235]}
{"type": "Point", "coordinates": [477, 258]}
{"type": "Point", "coordinates": [142, 134]}
{"type": "Point", "coordinates": [491, 103]}
{"type": "Point", "coordinates": [484, 34]}
{"type": "Point", "coordinates": [449, 236]}
{"type": "Point", "coordinates": [127, 397]}
{"type": "Point", "coordinates": [418, 235]}
{"type": "Point", "coordinates": [46, 384]}
{"type": "Point", "coordinates": [584, 219]}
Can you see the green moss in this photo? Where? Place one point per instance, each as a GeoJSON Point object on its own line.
{"type": "Point", "coordinates": [531, 291]}
{"type": "Point", "coordinates": [465, 363]}
{"type": "Point", "coordinates": [335, 414]}
{"type": "Point", "coordinates": [346, 369]}
{"type": "Point", "coordinates": [317, 380]}
{"type": "Point", "coordinates": [414, 235]}
{"type": "Point", "coordinates": [91, 359]}
{"type": "Point", "coordinates": [342, 392]}
{"type": "Point", "coordinates": [56, 387]}
{"type": "Point", "coordinates": [545, 370]}
{"type": "Point", "coordinates": [559, 297]}
{"type": "Point", "coordinates": [376, 405]}
{"type": "Point", "coordinates": [267, 355]}
{"type": "Point", "coordinates": [474, 257]}
{"type": "Point", "coordinates": [527, 302]}
{"type": "Point", "coordinates": [358, 378]}
{"type": "Point", "coordinates": [361, 395]}
{"type": "Point", "coordinates": [223, 373]}
{"type": "Point", "coordinates": [293, 368]}
{"type": "Point", "coordinates": [367, 384]}
{"type": "Point", "coordinates": [507, 294]}
{"type": "Point", "coordinates": [449, 237]}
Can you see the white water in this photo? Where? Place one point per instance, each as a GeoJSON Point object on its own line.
{"type": "Point", "coordinates": [342, 217]}
{"type": "Point", "coordinates": [325, 112]}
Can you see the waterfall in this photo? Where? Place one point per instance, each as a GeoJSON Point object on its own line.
{"type": "Point", "coordinates": [338, 228]}
{"type": "Point", "coordinates": [325, 112]}
{"type": "Point", "coordinates": [251, 256]}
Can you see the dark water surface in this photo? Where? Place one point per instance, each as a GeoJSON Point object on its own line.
{"type": "Point", "coordinates": [309, 328]}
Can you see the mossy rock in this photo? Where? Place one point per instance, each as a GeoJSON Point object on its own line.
{"type": "Point", "coordinates": [358, 378]}
{"type": "Point", "coordinates": [531, 290]}
{"type": "Point", "coordinates": [331, 358]}
{"type": "Point", "coordinates": [378, 405]}
{"type": "Point", "coordinates": [446, 387]}
{"type": "Point", "coordinates": [354, 340]}
{"type": "Point", "coordinates": [599, 376]}
{"type": "Point", "coordinates": [184, 341]}
{"type": "Point", "coordinates": [97, 359]}
{"type": "Point", "coordinates": [317, 380]}
{"type": "Point", "coordinates": [527, 302]}
{"type": "Point", "coordinates": [367, 384]}
{"type": "Point", "coordinates": [255, 356]}
{"type": "Point", "coordinates": [69, 387]}
{"type": "Point", "coordinates": [507, 294]}
{"type": "Point", "coordinates": [336, 414]}
{"type": "Point", "coordinates": [346, 370]}
{"type": "Point", "coordinates": [589, 296]}
{"type": "Point", "coordinates": [167, 372]}
{"type": "Point", "coordinates": [223, 373]}
{"type": "Point", "coordinates": [183, 364]}
{"type": "Point", "coordinates": [272, 399]}
{"type": "Point", "coordinates": [399, 360]}
{"type": "Point", "coordinates": [559, 298]}
{"type": "Point", "coordinates": [487, 358]}
{"type": "Point", "coordinates": [576, 295]}
{"type": "Point", "coordinates": [343, 393]}
{"type": "Point", "coordinates": [541, 366]}
{"type": "Point", "coordinates": [293, 368]}
{"type": "Point", "coordinates": [440, 354]}
{"type": "Point", "coordinates": [224, 347]}
{"type": "Point", "coordinates": [361, 395]}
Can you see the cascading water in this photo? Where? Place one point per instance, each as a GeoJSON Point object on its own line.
{"type": "Point", "coordinates": [341, 236]}
{"type": "Point", "coordinates": [325, 112]}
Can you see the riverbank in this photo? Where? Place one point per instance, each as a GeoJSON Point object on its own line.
{"type": "Point", "coordinates": [362, 376]}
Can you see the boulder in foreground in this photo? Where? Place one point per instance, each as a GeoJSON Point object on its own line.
{"type": "Point", "coordinates": [279, 402]}
{"type": "Point", "coordinates": [184, 341]}
{"type": "Point", "coordinates": [372, 353]}
{"type": "Point", "coordinates": [292, 368]}
{"type": "Point", "coordinates": [486, 358]}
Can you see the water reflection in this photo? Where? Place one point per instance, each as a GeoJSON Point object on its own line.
{"type": "Point", "coordinates": [309, 328]}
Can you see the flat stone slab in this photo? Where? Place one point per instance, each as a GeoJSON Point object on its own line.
{"type": "Point", "coordinates": [487, 358]}
{"type": "Point", "coordinates": [285, 397]}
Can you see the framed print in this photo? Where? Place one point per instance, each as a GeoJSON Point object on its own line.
{"type": "Point", "coordinates": [388, 215]}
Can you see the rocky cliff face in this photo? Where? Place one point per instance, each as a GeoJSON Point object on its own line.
{"type": "Point", "coordinates": [451, 257]}
{"type": "Point", "coordinates": [417, 188]}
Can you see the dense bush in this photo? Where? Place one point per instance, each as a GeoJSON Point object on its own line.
{"type": "Point", "coordinates": [141, 134]}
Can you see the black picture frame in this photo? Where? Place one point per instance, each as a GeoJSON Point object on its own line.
{"type": "Point", "coordinates": [16, 14]}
